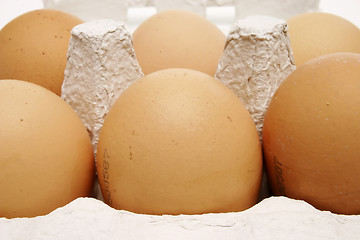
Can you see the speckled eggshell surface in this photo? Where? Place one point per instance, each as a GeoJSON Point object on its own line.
{"type": "Point", "coordinates": [46, 156]}
{"type": "Point", "coordinates": [177, 141]}
{"type": "Point", "coordinates": [311, 134]}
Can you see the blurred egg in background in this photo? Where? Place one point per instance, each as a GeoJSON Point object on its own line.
{"type": "Point", "coordinates": [177, 38]}
{"type": "Point", "coordinates": [33, 47]}
{"type": "Point", "coordinates": [316, 34]}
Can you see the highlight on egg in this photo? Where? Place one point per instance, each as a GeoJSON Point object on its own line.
{"type": "Point", "coordinates": [311, 134]}
{"type": "Point", "coordinates": [317, 33]}
{"type": "Point", "coordinates": [34, 45]}
{"type": "Point", "coordinates": [46, 156]}
{"type": "Point", "coordinates": [178, 141]}
{"type": "Point", "coordinates": [178, 39]}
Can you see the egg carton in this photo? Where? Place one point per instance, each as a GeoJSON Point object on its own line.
{"type": "Point", "coordinates": [256, 59]}
{"type": "Point", "coordinates": [273, 218]}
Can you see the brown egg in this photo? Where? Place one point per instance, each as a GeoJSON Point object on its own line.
{"type": "Point", "coordinates": [46, 156]}
{"type": "Point", "coordinates": [33, 47]}
{"type": "Point", "coordinates": [311, 134]}
{"type": "Point", "coordinates": [178, 39]}
{"type": "Point", "coordinates": [177, 141]}
{"type": "Point", "coordinates": [316, 34]}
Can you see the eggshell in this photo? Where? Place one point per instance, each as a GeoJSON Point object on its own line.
{"type": "Point", "coordinates": [33, 47]}
{"type": "Point", "coordinates": [316, 34]}
{"type": "Point", "coordinates": [178, 39]}
{"type": "Point", "coordinates": [311, 134]}
{"type": "Point", "coordinates": [46, 156]}
{"type": "Point", "coordinates": [177, 141]}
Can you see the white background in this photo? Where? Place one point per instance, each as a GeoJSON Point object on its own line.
{"type": "Point", "coordinates": [348, 9]}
